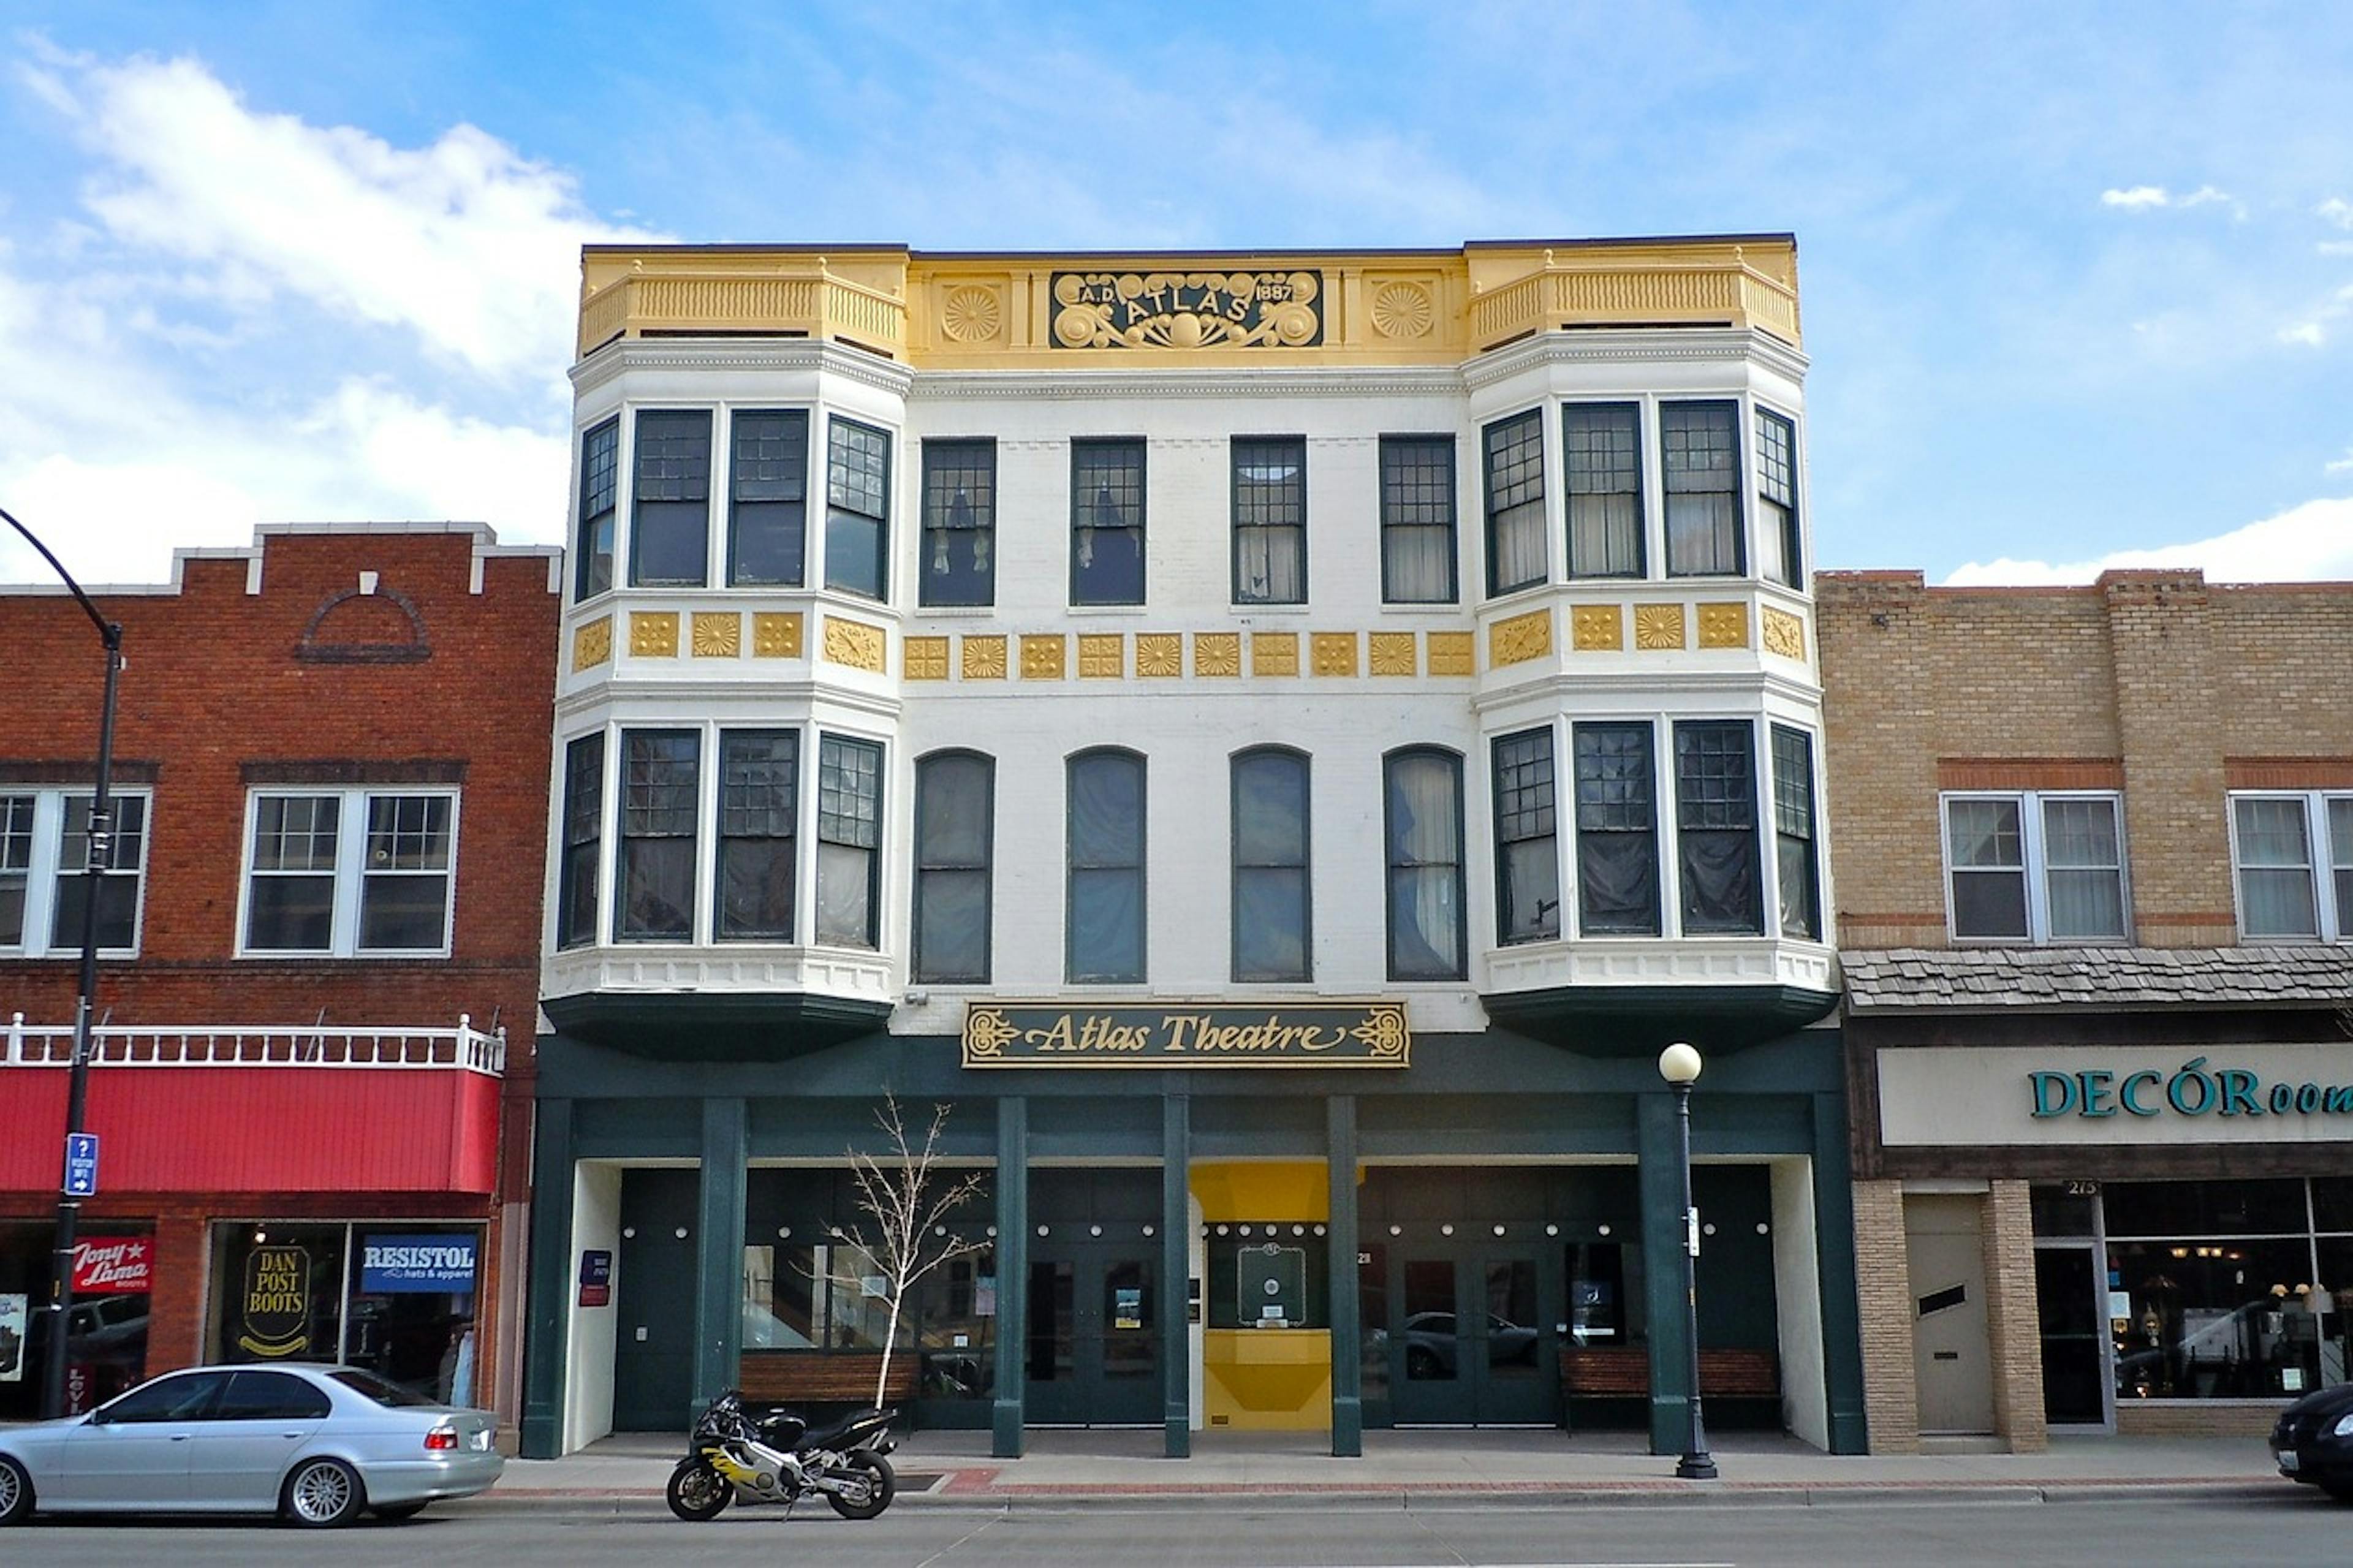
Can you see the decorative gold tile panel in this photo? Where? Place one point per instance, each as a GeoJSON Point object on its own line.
{"type": "Point", "coordinates": [1453, 653]}
{"type": "Point", "coordinates": [1658, 626]}
{"type": "Point", "coordinates": [983, 659]}
{"type": "Point", "coordinates": [1393, 653]}
{"type": "Point", "coordinates": [1332, 653]}
{"type": "Point", "coordinates": [1159, 653]}
{"type": "Point", "coordinates": [777, 634]}
{"type": "Point", "coordinates": [592, 644]}
{"type": "Point", "coordinates": [856, 644]}
{"type": "Point", "coordinates": [1103, 656]}
{"type": "Point", "coordinates": [1520, 639]}
{"type": "Point", "coordinates": [718, 636]}
{"type": "Point", "coordinates": [924, 659]}
{"type": "Point", "coordinates": [1041, 657]}
{"type": "Point", "coordinates": [1785, 633]}
{"type": "Point", "coordinates": [653, 634]}
{"type": "Point", "coordinates": [1274, 653]}
{"type": "Point", "coordinates": [1594, 628]}
{"type": "Point", "coordinates": [1217, 653]}
{"type": "Point", "coordinates": [1724, 625]}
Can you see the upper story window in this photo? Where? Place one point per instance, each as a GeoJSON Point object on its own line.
{"type": "Point", "coordinates": [2030, 866]}
{"type": "Point", "coordinates": [1103, 910]}
{"type": "Point", "coordinates": [1418, 520]}
{"type": "Point", "coordinates": [582, 826]}
{"type": "Point", "coordinates": [1793, 830]}
{"type": "Point", "coordinates": [1527, 863]}
{"type": "Point", "coordinates": [1270, 520]}
{"type": "Point", "coordinates": [1513, 448]}
{"type": "Point", "coordinates": [767, 496]}
{"type": "Point", "coordinates": [1699, 449]}
{"type": "Point", "coordinates": [954, 823]}
{"type": "Point", "coordinates": [1269, 870]}
{"type": "Point", "coordinates": [959, 557]}
{"type": "Point", "coordinates": [1422, 811]}
{"type": "Point", "coordinates": [336, 873]}
{"type": "Point", "coordinates": [759, 804]}
{"type": "Point", "coordinates": [1716, 826]}
{"type": "Point", "coordinates": [1601, 450]}
{"type": "Point", "coordinates": [1617, 830]}
{"type": "Point", "coordinates": [669, 511]}
{"type": "Point", "coordinates": [45, 872]}
{"type": "Point", "coordinates": [1776, 500]}
{"type": "Point", "coordinates": [857, 500]}
{"type": "Point", "coordinates": [654, 871]}
{"type": "Point", "coordinates": [1106, 522]}
{"type": "Point", "coordinates": [600, 480]}
{"type": "Point", "coordinates": [2293, 854]}
{"type": "Point", "coordinates": [848, 841]}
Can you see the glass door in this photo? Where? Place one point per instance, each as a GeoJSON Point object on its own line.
{"type": "Point", "coordinates": [1426, 1385]}
{"type": "Point", "coordinates": [2075, 1334]}
{"type": "Point", "coordinates": [1517, 1380]}
{"type": "Point", "coordinates": [1094, 1350]}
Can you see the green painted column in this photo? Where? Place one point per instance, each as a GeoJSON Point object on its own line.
{"type": "Point", "coordinates": [1657, 1148]}
{"type": "Point", "coordinates": [1012, 1274]}
{"type": "Point", "coordinates": [548, 1292]}
{"type": "Point", "coordinates": [718, 1250]}
{"type": "Point", "coordinates": [1835, 1258]}
{"type": "Point", "coordinates": [1347, 1316]}
{"type": "Point", "coordinates": [1176, 1263]}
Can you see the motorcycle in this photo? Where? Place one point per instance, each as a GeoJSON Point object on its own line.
{"type": "Point", "coordinates": [777, 1459]}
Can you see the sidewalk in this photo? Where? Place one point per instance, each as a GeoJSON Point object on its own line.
{"type": "Point", "coordinates": [1436, 1469]}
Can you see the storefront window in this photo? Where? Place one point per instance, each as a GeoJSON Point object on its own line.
{"type": "Point", "coordinates": [1263, 1276]}
{"type": "Point", "coordinates": [106, 1327]}
{"type": "Point", "coordinates": [395, 1299]}
{"type": "Point", "coordinates": [829, 1296]}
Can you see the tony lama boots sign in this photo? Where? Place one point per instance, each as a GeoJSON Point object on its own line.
{"type": "Point", "coordinates": [1046, 1035]}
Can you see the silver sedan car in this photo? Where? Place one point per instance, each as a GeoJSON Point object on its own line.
{"type": "Point", "coordinates": [314, 1444]}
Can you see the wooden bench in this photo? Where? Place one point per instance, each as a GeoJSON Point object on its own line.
{"type": "Point", "coordinates": [1621, 1371]}
{"type": "Point", "coordinates": [824, 1377]}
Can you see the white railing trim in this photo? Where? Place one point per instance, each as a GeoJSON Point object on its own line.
{"type": "Point", "coordinates": [262, 1045]}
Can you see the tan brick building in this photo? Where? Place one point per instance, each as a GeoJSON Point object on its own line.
{"type": "Point", "coordinates": [2094, 859]}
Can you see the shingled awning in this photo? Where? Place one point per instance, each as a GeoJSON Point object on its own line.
{"type": "Point", "coordinates": [1920, 979]}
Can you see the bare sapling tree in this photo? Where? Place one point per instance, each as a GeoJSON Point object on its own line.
{"type": "Point", "coordinates": [907, 1200]}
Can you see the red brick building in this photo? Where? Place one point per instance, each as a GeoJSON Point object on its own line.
{"type": "Point", "coordinates": [319, 958]}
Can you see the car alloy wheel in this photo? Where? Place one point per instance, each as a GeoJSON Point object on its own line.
{"type": "Point", "coordinates": [15, 1491]}
{"type": "Point", "coordinates": [322, 1493]}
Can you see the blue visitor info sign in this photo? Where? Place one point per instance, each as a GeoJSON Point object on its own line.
{"type": "Point", "coordinates": [81, 1164]}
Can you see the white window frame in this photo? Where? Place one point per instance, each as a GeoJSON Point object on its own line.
{"type": "Point", "coordinates": [39, 940]}
{"type": "Point", "coordinates": [2331, 923]}
{"type": "Point", "coordinates": [2034, 867]}
{"type": "Point", "coordinates": [350, 871]}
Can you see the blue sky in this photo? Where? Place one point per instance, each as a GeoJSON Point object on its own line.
{"type": "Point", "coordinates": [2077, 279]}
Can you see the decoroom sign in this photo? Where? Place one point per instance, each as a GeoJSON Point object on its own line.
{"type": "Point", "coordinates": [1042, 1034]}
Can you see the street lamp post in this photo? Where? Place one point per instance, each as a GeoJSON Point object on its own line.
{"type": "Point", "coordinates": [1680, 1065]}
{"type": "Point", "coordinates": [101, 856]}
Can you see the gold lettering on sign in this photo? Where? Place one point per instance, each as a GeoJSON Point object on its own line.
{"type": "Point", "coordinates": [1334, 1034]}
{"type": "Point", "coordinates": [1184, 310]}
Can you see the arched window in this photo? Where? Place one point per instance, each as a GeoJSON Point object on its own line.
{"type": "Point", "coordinates": [1270, 848]}
{"type": "Point", "coordinates": [955, 820]}
{"type": "Point", "coordinates": [1422, 818]}
{"type": "Point", "coordinates": [1103, 912]}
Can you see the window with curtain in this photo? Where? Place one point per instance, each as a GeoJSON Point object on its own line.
{"type": "Point", "coordinates": [1418, 520]}
{"type": "Point", "coordinates": [1528, 860]}
{"type": "Point", "coordinates": [1103, 915]}
{"type": "Point", "coordinates": [848, 840]}
{"type": "Point", "coordinates": [1699, 445]}
{"type": "Point", "coordinates": [1513, 448]}
{"type": "Point", "coordinates": [857, 508]}
{"type": "Point", "coordinates": [600, 483]}
{"type": "Point", "coordinates": [955, 809]}
{"type": "Point", "coordinates": [1617, 830]}
{"type": "Point", "coordinates": [1716, 828]}
{"type": "Point", "coordinates": [1269, 867]}
{"type": "Point", "coordinates": [1422, 806]}
{"type": "Point", "coordinates": [1107, 522]}
{"type": "Point", "coordinates": [2030, 866]}
{"type": "Point", "coordinates": [1793, 827]}
{"type": "Point", "coordinates": [1601, 449]}
{"type": "Point", "coordinates": [1270, 520]}
{"type": "Point", "coordinates": [2293, 852]}
{"type": "Point", "coordinates": [767, 496]}
{"type": "Point", "coordinates": [1777, 500]}
{"type": "Point", "coordinates": [959, 559]}
{"type": "Point", "coordinates": [758, 812]}
{"type": "Point", "coordinates": [670, 505]}
{"type": "Point", "coordinates": [655, 870]}
{"type": "Point", "coordinates": [583, 815]}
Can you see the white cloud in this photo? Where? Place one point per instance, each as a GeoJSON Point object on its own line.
{"type": "Point", "coordinates": [466, 244]}
{"type": "Point", "coordinates": [2148, 198]}
{"type": "Point", "coordinates": [2335, 210]}
{"type": "Point", "coordinates": [2343, 464]}
{"type": "Point", "coordinates": [2136, 198]}
{"type": "Point", "coordinates": [2309, 332]}
{"type": "Point", "coordinates": [2307, 544]}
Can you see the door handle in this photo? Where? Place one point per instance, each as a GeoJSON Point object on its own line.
{"type": "Point", "coordinates": [294, 1434]}
{"type": "Point", "coordinates": [182, 1436]}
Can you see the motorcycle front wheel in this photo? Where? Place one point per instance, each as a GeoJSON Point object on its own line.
{"type": "Point", "coordinates": [696, 1491]}
{"type": "Point", "coordinates": [881, 1486]}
